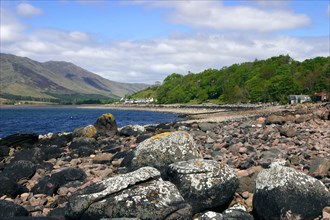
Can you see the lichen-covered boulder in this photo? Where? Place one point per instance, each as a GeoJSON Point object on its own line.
{"type": "Point", "coordinates": [89, 132]}
{"type": "Point", "coordinates": [132, 130]}
{"type": "Point", "coordinates": [106, 124]}
{"type": "Point", "coordinates": [141, 194]}
{"type": "Point", "coordinates": [203, 183]}
{"type": "Point", "coordinates": [233, 213]}
{"type": "Point", "coordinates": [284, 193]}
{"type": "Point", "coordinates": [163, 149]}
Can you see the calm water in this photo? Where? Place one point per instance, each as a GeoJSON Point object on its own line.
{"type": "Point", "coordinates": [42, 120]}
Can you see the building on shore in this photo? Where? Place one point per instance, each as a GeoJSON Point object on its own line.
{"type": "Point", "coordinates": [322, 96]}
{"type": "Point", "coordinates": [295, 99]}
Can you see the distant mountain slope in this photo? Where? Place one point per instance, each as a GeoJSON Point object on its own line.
{"type": "Point", "coordinates": [23, 77]}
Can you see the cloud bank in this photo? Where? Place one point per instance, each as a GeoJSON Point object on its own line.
{"type": "Point", "coordinates": [151, 60]}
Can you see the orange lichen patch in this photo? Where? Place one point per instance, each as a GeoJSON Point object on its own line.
{"type": "Point", "coordinates": [160, 135]}
{"type": "Point", "coordinates": [108, 116]}
{"type": "Point", "coordinates": [198, 163]}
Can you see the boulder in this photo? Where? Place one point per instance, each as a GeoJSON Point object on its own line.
{"type": "Point", "coordinates": [10, 188]}
{"type": "Point", "coordinates": [106, 124]}
{"type": "Point", "coordinates": [319, 167]}
{"type": "Point", "coordinates": [284, 193]}
{"type": "Point", "coordinates": [49, 184]}
{"type": "Point", "coordinates": [89, 132]}
{"type": "Point", "coordinates": [275, 119]}
{"type": "Point", "coordinates": [132, 130]}
{"type": "Point", "coordinates": [163, 149]}
{"type": "Point", "coordinates": [79, 142]}
{"type": "Point", "coordinates": [19, 139]}
{"type": "Point", "coordinates": [141, 194]}
{"type": "Point", "coordinates": [233, 213]}
{"type": "Point", "coordinates": [21, 169]}
{"type": "Point", "coordinates": [206, 126]}
{"type": "Point", "coordinates": [203, 183]}
{"type": "Point", "coordinates": [288, 132]}
{"type": "Point", "coordinates": [11, 210]}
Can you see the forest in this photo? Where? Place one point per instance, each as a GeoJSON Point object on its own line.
{"type": "Point", "coordinates": [271, 80]}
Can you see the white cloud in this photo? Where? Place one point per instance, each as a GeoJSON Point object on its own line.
{"type": "Point", "coordinates": [152, 60]}
{"type": "Point", "coordinates": [25, 9]}
{"type": "Point", "coordinates": [214, 15]}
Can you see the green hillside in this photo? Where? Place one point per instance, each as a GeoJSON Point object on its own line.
{"type": "Point", "coordinates": [56, 81]}
{"type": "Point", "coordinates": [270, 80]}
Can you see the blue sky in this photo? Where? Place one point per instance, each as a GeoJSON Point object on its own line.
{"type": "Point", "coordinates": [144, 41]}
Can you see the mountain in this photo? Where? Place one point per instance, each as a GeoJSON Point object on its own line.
{"type": "Point", "coordinates": [24, 78]}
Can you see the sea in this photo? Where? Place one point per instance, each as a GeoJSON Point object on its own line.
{"type": "Point", "coordinates": [42, 120]}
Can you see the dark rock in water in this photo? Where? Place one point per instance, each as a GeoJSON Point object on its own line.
{"type": "Point", "coordinates": [142, 137]}
{"type": "Point", "coordinates": [203, 183]}
{"type": "Point", "coordinates": [19, 170]}
{"type": "Point", "coordinates": [49, 184]}
{"type": "Point", "coordinates": [10, 209]}
{"type": "Point", "coordinates": [141, 194]}
{"type": "Point", "coordinates": [288, 132]}
{"type": "Point", "coordinates": [274, 119]}
{"type": "Point", "coordinates": [19, 139]}
{"type": "Point", "coordinates": [284, 193]}
{"type": "Point", "coordinates": [132, 130]}
{"type": "Point", "coordinates": [10, 188]}
{"type": "Point", "coordinates": [106, 125]}
{"type": "Point", "coordinates": [163, 149]}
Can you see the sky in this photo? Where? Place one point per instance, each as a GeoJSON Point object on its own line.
{"type": "Point", "coordinates": [145, 41]}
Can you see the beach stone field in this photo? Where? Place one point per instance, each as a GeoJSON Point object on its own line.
{"type": "Point", "coordinates": [266, 166]}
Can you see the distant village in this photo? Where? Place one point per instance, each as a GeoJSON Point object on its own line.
{"type": "Point", "coordinates": [138, 101]}
{"type": "Point", "coordinates": [292, 99]}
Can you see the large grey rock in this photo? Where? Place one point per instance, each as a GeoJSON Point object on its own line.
{"type": "Point", "coordinates": [282, 192]}
{"type": "Point", "coordinates": [203, 183]}
{"type": "Point", "coordinates": [132, 130]}
{"type": "Point", "coordinates": [140, 194]}
{"type": "Point", "coordinates": [163, 149]}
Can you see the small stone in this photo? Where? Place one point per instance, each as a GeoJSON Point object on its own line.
{"type": "Point", "coordinates": [24, 196]}
{"type": "Point", "coordinates": [63, 191]}
{"type": "Point", "coordinates": [326, 213]}
{"type": "Point", "coordinates": [245, 194]}
{"type": "Point", "coordinates": [117, 163]}
{"type": "Point", "coordinates": [242, 173]}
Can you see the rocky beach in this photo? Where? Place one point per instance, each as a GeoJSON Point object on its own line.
{"type": "Point", "coordinates": [263, 162]}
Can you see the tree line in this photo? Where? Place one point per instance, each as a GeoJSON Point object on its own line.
{"type": "Point", "coordinates": [271, 80]}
